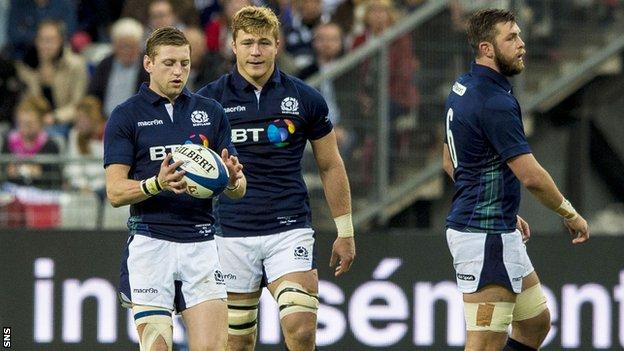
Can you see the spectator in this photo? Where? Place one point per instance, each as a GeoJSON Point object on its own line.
{"type": "Point", "coordinates": [298, 33]}
{"type": "Point", "coordinates": [328, 47]}
{"type": "Point", "coordinates": [10, 90]}
{"type": "Point", "coordinates": [85, 141]}
{"type": "Point", "coordinates": [380, 15]}
{"type": "Point", "coordinates": [120, 75]}
{"type": "Point", "coordinates": [205, 67]}
{"type": "Point", "coordinates": [96, 16]}
{"type": "Point", "coordinates": [53, 71]}
{"type": "Point", "coordinates": [25, 17]}
{"type": "Point", "coordinates": [161, 13]}
{"type": "Point", "coordinates": [30, 139]}
{"type": "Point", "coordinates": [218, 32]}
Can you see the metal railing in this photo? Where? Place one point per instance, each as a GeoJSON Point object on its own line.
{"type": "Point", "coordinates": [391, 140]}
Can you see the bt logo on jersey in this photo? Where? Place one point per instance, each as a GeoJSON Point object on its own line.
{"type": "Point", "coordinates": [278, 132]}
{"type": "Point", "coordinates": [242, 135]}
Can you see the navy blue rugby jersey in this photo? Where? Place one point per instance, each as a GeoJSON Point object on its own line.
{"type": "Point", "coordinates": [270, 134]}
{"type": "Point", "coordinates": [140, 133]}
{"type": "Point", "coordinates": [483, 131]}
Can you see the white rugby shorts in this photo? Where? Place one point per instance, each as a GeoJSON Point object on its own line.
{"type": "Point", "coordinates": [481, 259]}
{"type": "Point", "coordinates": [168, 274]}
{"type": "Point", "coordinates": [247, 260]}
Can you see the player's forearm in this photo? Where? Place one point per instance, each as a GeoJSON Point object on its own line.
{"type": "Point", "coordinates": [544, 189]}
{"type": "Point", "coordinates": [336, 188]}
{"type": "Point", "coordinates": [125, 192]}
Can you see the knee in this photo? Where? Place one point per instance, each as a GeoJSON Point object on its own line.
{"type": "Point", "coordinates": [155, 328]}
{"type": "Point", "coordinates": [242, 342]}
{"type": "Point", "coordinates": [303, 334]}
{"type": "Point", "coordinates": [538, 325]}
{"type": "Point", "coordinates": [215, 343]}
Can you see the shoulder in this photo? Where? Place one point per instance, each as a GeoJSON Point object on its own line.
{"type": "Point", "coordinates": [499, 101]}
{"type": "Point", "coordinates": [307, 93]}
{"type": "Point", "coordinates": [215, 89]}
{"type": "Point", "coordinates": [207, 101]}
{"type": "Point", "coordinates": [73, 60]}
{"type": "Point", "coordinates": [106, 63]}
{"type": "Point", "coordinates": [123, 111]}
{"type": "Point", "coordinates": [482, 92]}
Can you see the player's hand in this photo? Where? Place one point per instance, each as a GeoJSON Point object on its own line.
{"type": "Point", "coordinates": [523, 227]}
{"type": "Point", "coordinates": [578, 228]}
{"type": "Point", "coordinates": [170, 178]}
{"type": "Point", "coordinates": [235, 169]}
{"type": "Point", "coordinates": [343, 254]}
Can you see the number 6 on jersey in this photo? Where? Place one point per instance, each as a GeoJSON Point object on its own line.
{"type": "Point", "coordinates": [449, 137]}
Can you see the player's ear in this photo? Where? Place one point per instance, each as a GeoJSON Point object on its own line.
{"type": "Point", "coordinates": [147, 64]}
{"type": "Point", "coordinates": [486, 49]}
{"type": "Point", "coordinates": [233, 45]}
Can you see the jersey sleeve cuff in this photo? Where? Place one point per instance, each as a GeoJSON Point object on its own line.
{"type": "Point", "coordinates": [515, 151]}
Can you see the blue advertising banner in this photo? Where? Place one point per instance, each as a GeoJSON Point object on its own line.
{"type": "Point", "coordinates": [58, 292]}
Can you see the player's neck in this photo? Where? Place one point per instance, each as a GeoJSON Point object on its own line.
{"type": "Point", "coordinates": [487, 62]}
{"type": "Point", "coordinates": [160, 93]}
{"type": "Point", "coordinates": [258, 83]}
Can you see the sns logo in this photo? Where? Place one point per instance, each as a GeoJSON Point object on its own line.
{"type": "Point", "coordinates": [279, 131]}
{"type": "Point", "coordinates": [301, 253]}
{"type": "Point", "coordinates": [200, 118]}
{"type": "Point", "coordinates": [219, 277]}
{"type": "Point", "coordinates": [290, 105]}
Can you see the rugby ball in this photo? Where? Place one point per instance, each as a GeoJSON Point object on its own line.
{"type": "Point", "coordinates": [206, 174]}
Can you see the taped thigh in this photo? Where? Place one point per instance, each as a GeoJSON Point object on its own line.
{"type": "Point", "coordinates": [292, 297]}
{"type": "Point", "coordinates": [158, 323]}
{"type": "Point", "coordinates": [530, 303]}
{"type": "Point", "coordinates": [488, 316]}
{"type": "Point", "coordinates": [243, 316]}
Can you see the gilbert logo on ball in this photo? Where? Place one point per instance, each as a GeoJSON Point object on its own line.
{"type": "Point", "coordinates": [206, 174]}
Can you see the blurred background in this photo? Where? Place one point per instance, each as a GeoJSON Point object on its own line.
{"type": "Point", "coordinates": [385, 68]}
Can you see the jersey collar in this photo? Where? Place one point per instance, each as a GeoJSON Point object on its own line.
{"type": "Point", "coordinates": [485, 71]}
{"type": "Point", "coordinates": [154, 98]}
{"type": "Point", "coordinates": [241, 83]}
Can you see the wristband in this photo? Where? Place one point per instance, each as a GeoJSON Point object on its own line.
{"type": "Point", "coordinates": [236, 186]}
{"type": "Point", "coordinates": [566, 210]}
{"type": "Point", "coordinates": [151, 186]}
{"type": "Point", "coordinates": [344, 225]}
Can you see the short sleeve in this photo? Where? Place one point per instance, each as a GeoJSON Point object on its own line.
{"type": "Point", "coordinates": [317, 113]}
{"type": "Point", "coordinates": [502, 124]}
{"type": "Point", "coordinates": [118, 139]}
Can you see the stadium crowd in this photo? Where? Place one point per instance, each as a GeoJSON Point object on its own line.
{"type": "Point", "coordinates": [65, 65]}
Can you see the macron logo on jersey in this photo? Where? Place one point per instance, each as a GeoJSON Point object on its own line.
{"type": "Point", "coordinates": [154, 122]}
{"type": "Point", "coordinates": [235, 109]}
{"type": "Point", "coordinates": [459, 89]}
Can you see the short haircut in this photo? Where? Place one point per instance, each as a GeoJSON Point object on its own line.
{"type": "Point", "coordinates": [482, 26]}
{"type": "Point", "coordinates": [35, 103]}
{"type": "Point", "coordinates": [127, 28]}
{"type": "Point", "coordinates": [255, 20]}
{"type": "Point", "coordinates": [166, 36]}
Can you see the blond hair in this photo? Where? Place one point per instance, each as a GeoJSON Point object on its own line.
{"type": "Point", "coordinates": [387, 5]}
{"type": "Point", "coordinates": [35, 103]}
{"type": "Point", "coordinates": [255, 20]}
